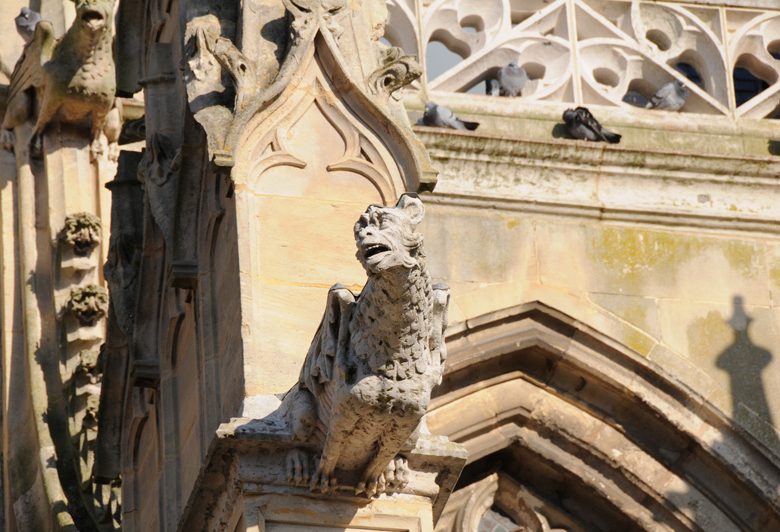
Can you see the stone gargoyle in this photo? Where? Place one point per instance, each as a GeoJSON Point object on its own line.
{"type": "Point", "coordinates": [73, 79]}
{"type": "Point", "coordinates": [367, 379]}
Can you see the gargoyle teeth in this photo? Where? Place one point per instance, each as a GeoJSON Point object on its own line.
{"type": "Point", "coordinates": [375, 249]}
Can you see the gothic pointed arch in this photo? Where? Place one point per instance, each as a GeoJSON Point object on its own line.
{"type": "Point", "coordinates": [568, 429]}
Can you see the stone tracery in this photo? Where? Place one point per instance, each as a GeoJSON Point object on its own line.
{"type": "Point", "coordinates": [597, 51]}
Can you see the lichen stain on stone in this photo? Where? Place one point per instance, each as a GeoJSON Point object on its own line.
{"type": "Point", "coordinates": [743, 257]}
{"type": "Point", "coordinates": [774, 276]}
{"type": "Point", "coordinates": [708, 337]}
{"type": "Point", "coordinates": [635, 339]}
{"type": "Point", "coordinates": [630, 253]}
{"type": "Point", "coordinates": [511, 223]}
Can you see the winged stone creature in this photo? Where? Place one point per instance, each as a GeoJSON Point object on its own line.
{"type": "Point", "coordinates": [670, 97]}
{"type": "Point", "coordinates": [581, 124]}
{"type": "Point", "coordinates": [25, 22]}
{"type": "Point", "coordinates": [439, 116]}
{"type": "Point", "coordinates": [511, 80]}
{"type": "Point", "coordinates": [367, 379]}
{"type": "Point", "coordinates": [72, 79]}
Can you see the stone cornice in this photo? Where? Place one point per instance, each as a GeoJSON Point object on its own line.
{"type": "Point", "coordinates": [587, 180]}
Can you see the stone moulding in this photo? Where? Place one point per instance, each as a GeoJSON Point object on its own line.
{"type": "Point", "coordinates": [559, 389]}
{"type": "Point", "coordinates": [547, 185]}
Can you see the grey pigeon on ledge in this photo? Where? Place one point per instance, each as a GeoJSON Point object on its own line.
{"type": "Point", "coordinates": [511, 80]}
{"type": "Point", "coordinates": [440, 116]}
{"type": "Point", "coordinates": [670, 97]}
{"type": "Point", "coordinates": [581, 124]}
{"type": "Point", "coordinates": [26, 22]}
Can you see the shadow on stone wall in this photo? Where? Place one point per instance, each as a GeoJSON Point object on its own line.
{"type": "Point", "coordinates": [745, 363]}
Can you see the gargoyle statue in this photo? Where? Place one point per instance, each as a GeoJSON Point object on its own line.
{"type": "Point", "coordinates": [73, 79]}
{"type": "Point", "coordinates": [367, 379]}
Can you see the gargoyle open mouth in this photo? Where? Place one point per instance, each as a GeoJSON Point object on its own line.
{"type": "Point", "coordinates": [375, 249]}
{"type": "Point", "coordinates": [93, 19]}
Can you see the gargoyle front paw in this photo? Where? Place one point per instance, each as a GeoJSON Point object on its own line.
{"type": "Point", "coordinates": [324, 481]}
{"type": "Point", "coordinates": [372, 485]}
{"type": "Point", "coordinates": [113, 151]}
{"type": "Point", "coordinates": [397, 474]}
{"type": "Point", "coordinates": [7, 139]}
{"type": "Point", "coordinates": [297, 465]}
{"type": "Point", "coordinates": [96, 149]}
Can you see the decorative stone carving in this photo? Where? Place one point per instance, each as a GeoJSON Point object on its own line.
{"type": "Point", "coordinates": [367, 378]}
{"type": "Point", "coordinates": [82, 231]}
{"type": "Point", "coordinates": [621, 47]}
{"type": "Point", "coordinates": [88, 304]}
{"type": "Point", "coordinates": [73, 78]}
{"type": "Point", "coordinates": [160, 163]}
{"type": "Point", "coordinates": [126, 244]}
{"type": "Point", "coordinates": [397, 70]}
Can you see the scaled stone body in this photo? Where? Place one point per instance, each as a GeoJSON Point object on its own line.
{"type": "Point", "coordinates": [74, 78]}
{"type": "Point", "coordinates": [367, 379]}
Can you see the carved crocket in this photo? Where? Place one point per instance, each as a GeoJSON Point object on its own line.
{"type": "Point", "coordinates": [74, 78]}
{"type": "Point", "coordinates": [367, 379]}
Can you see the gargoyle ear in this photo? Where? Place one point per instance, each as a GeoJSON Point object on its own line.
{"type": "Point", "coordinates": [412, 206]}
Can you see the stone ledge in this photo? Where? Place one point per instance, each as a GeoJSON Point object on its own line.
{"type": "Point", "coordinates": [248, 457]}
{"type": "Point", "coordinates": [595, 181]}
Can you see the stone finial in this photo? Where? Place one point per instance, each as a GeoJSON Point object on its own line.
{"type": "Point", "coordinates": [367, 379]}
{"type": "Point", "coordinates": [88, 304]}
{"type": "Point", "coordinates": [82, 231]}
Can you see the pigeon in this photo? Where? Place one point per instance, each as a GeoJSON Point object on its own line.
{"type": "Point", "coordinates": [511, 80]}
{"type": "Point", "coordinates": [440, 116]}
{"type": "Point", "coordinates": [492, 88]}
{"type": "Point", "coordinates": [581, 125]}
{"type": "Point", "coordinates": [26, 22]}
{"type": "Point", "coordinates": [670, 97]}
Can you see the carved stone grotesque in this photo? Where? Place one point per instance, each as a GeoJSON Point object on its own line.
{"type": "Point", "coordinates": [367, 379]}
{"type": "Point", "coordinates": [82, 231]}
{"type": "Point", "coordinates": [397, 71]}
{"type": "Point", "coordinates": [73, 78]}
{"type": "Point", "coordinates": [88, 304]}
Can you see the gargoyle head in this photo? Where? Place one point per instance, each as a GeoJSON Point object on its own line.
{"type": "Point", "coordinates": [386, 238]}
{"type": "Point", "coordinates": [94, 15]}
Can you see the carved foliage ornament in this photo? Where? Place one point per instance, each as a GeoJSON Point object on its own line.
{"type": "Point", "coordinates": [367, 378]}
{"type": "Point", "coordinates": [88, 304]}
{"type": "Point", "coordinates": [397, 71]}
{"type": "Point", "coordinates": [82, 231]}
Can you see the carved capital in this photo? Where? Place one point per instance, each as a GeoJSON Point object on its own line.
{"type": "Point", "coordinates": [82, 231]}
{"type": "Point", "coordinates": [88, 304]}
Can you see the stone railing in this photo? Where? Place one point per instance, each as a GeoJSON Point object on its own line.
{"type": "Point", "coordinates": [600, 52]}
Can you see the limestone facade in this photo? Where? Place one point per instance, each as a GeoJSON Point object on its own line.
{"type": "Point", "coordinates": [613, 320]}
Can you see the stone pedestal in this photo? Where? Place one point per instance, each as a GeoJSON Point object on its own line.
{"type": "Point", "coordinates": [246, 487]}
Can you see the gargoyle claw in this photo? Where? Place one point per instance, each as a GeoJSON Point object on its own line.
{"type": "Point", "coordinates": [297, 463]}
{"type": "Point", "coordinates": [323, 481]}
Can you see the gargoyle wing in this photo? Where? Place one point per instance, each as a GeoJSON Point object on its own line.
{"type": "Point", "coordinates": [29, 71]}
{"type": "Point", "coordinates": [330, 343]}
{"type": "Point", "coordinates": [436, 345]}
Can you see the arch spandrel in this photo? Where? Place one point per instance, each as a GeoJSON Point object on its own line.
{"type": "Point", "coordinates": [590, 429]}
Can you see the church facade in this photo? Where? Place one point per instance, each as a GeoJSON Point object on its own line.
{"type": "Point", "coordinates": [529, 331]}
